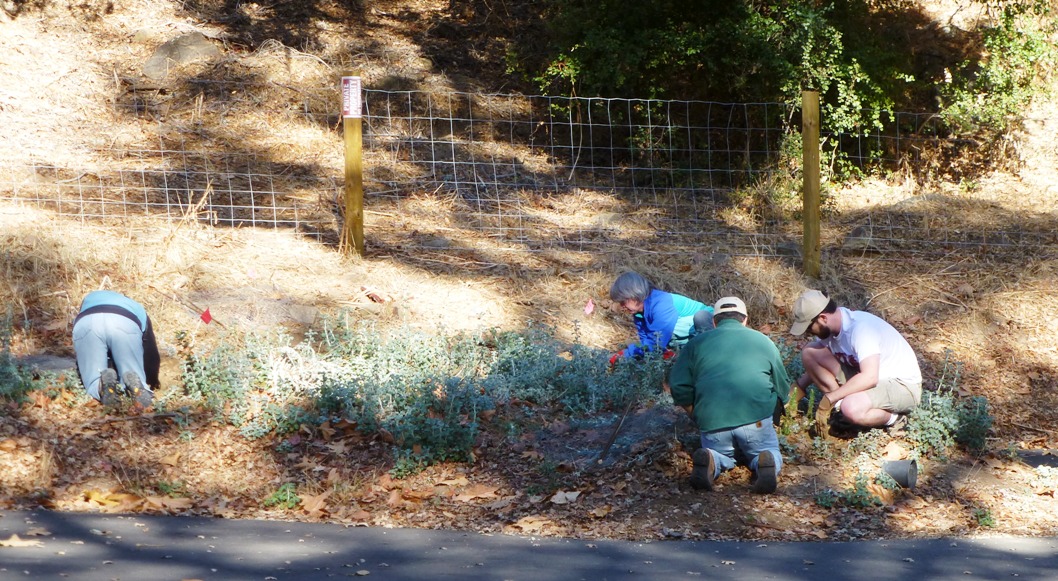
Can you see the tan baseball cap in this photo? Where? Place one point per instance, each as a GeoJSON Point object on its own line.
{"type": "Point", "coordinates": [805, 308]}
{"type": "Point", "coordinates": [729, 305]}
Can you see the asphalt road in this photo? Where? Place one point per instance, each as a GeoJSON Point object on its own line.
{"type": "Point", "coordinates": [131, 547]}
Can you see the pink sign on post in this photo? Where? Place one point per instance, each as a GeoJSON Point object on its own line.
{"type": "Point", "coordinates": [351, 97]}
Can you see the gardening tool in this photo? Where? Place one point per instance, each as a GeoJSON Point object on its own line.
{"type": "Point", "coordinates": [616, 429]}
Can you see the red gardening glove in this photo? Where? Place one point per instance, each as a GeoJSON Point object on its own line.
{"type": "Point", "coordinates": [668, 354]}
{"type": "Point", "coordinates": [615, 357]}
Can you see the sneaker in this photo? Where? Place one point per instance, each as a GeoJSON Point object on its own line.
{"type": "Point", "coordinates": [899, 427]}
{"type": "Point", "coordinates": [766, 477]}
{"type": "Point", "coordinates": [704, 469]}
{"type": "Point", "coordinates": [109, 391]}
{"type": "Point", "coordinates": [134, 387]}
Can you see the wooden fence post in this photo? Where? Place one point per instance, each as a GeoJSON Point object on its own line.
{"type": "Point", "coordinates": [352, 237]}
{"type": "Point", "coordinates": [810, 167]}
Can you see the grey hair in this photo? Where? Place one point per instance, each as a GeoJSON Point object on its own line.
{"type": "Point", "coordinates": [630, 285]}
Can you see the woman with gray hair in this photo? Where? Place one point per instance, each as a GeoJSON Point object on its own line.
{"type": "Point", "coordinates": [662, 319]}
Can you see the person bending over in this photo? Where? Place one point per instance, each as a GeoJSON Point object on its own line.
{"type": "Point", "coordinates": [113, 327]}
{"type": "Point", "coordinates": [863, 366]}
{"type": "Point", "coordinates": [663, 320]}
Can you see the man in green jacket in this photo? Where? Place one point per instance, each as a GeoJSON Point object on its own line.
{"type": "Point", "coordinates": [729, 380]}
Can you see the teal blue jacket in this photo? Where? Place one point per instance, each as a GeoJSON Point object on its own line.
{"type": "Point", "coordinates": [733, 375]}
{"type": "Point", "coordinates": [667, 321]}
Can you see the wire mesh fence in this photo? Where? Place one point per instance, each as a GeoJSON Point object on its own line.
{"type": "Point", "coordinates": [455, 172]}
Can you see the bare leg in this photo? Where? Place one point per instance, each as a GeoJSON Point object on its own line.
{"type": "Point", "coordinates": [822, 367]}
{"type": "Point", "coordinates": [857, 409]}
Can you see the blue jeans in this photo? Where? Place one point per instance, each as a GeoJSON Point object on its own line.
{"type": "Point", "coordinates": [100, 336]}
{"type": "Point", "coordinates": [743, 444]}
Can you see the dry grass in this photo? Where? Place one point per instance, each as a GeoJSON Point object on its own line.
{"type": "Point", "coordinates": [994, 312]}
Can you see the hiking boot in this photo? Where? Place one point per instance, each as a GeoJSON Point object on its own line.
{"type": "Point", "coordinates": [109, 391]}
{"type": "Point", "coordinates": [899, 427]}
{"type": "Point", "coordinates": [704, 469]}
{"type": "Point", "coordinates": [766, 477]}
{"type": "Point", "coordinates": [136, 390]}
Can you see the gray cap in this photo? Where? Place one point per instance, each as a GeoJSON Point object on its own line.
{"type": "Point", "coordinates": [807, 307]}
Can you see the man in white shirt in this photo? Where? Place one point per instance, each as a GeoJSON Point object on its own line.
{"type": "Point", "coordinates": [863, 366]}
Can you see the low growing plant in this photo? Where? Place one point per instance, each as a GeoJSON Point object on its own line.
{"type": "Point", "coordinates": [974, 423]}
{"type": "Point", "coordinates": [427, 392]}
{"type": "Point", "coordinates": [941, 420]}
{"type": "Point", "coordinates": [284, 497]}
{"type": "Point", "coordinates": [983, 517]}
{"type": "Point", "coordinates": [859, 496]}
{"type": "Point", "coordinates": [15, 383]}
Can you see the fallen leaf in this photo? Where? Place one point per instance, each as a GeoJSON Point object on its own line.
{"type": "Point", "coordinates": [532, 455]}
{"type": "Point", "coordinates": [457, 481]}
{"type": "Point", "coordinates": [916, 502]}
{"type": "Point", "coordinates": [360, 515]}
{"type": "Point", "coordinates": [531, 524]}
{"type": "Point", "coordinates": [935, 347]}
{"type": "Point", "coordinates": [477, 491]}
{"type": "Point", "coordinates": [808, 470]}
{"type": "Point", "coordinates": [563, 497]}
{"type": "Point", "coordinates": [884, 494]}
{"type": "Point", "coordinates": [315, 504]}
{"type": "Point", "coordinates": [894, 451]}
{"type": "Point", "coordinates": [8, 445]}
{"type": "Point", "coordinates": [38, 532]}
{"type": "Point", "coordinates": [500, 504]}
{"type": "Point", "coordinates": [169, 503]}
{"type": "Point", "coordinates": [601, 511]}
{"type": "Point", "coordinates": [171, 460]}
{"type": "Point", "coordinates": [15, 541]}
{"type": "Point", "coordinates": [386, 482]}
{"type": "Point", "coordinates": [327, 431]}
{"type": "Point", "coordinates": [418, 494]}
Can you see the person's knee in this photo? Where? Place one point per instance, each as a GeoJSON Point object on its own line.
{"type": "Point", "coordinates": [703, 320]}
{"type": "Point", "coordinates": [816, 358]}
{"type": "Point", "coordinates": [855, 408]}
{"type": "Point", "coordinates": [812, 357]}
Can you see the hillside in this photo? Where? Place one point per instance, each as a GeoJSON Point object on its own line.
{"type": "Point", "coordinates": [67, 78]}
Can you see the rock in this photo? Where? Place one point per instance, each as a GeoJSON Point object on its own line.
{"type": "Point", "coordinates": [181, 50]}
{"type": "Point", "coordinates": [44, 362]}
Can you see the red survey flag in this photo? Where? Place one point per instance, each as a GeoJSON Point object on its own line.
{"type": "Point", "coordinates": [590, 307]}
{"type": "Point", "coordinates": [206, 317]}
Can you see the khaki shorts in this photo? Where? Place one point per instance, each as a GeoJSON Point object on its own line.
{"type": "Point", "coordinates": [891, 394]}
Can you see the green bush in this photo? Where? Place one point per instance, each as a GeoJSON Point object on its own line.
{"type": "Point", "coordinates": [991, 93]}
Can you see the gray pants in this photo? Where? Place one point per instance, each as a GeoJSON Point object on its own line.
{"type": "Point", "coordinates": [101, 334]}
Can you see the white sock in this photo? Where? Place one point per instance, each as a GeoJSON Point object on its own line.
{"type": "Point", "coordinates": [892, 418]}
